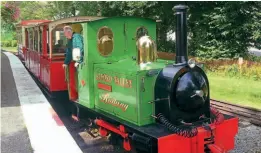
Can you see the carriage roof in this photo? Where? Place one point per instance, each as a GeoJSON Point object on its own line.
{"type": "Point", "coordinates": [31, 23]}
{"type": "Point", "coordinates": [76, 19]}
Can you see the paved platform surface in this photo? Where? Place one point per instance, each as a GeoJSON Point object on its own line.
{"type": "Point", "coordinates": [29, 124]}
{"type": "Point", "coordinates": [14, 135]}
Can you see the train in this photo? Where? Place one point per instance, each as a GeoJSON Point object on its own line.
{"type": "Point", "coordinates": [124, 89]}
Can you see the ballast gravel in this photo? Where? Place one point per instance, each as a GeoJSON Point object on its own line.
{"type": "Point", "coordinates": [248, 139]}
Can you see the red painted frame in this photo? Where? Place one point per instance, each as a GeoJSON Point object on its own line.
{"type": "Point", "coordinates": [57, 75]}
{"type": "Point", "coordinates": [224, 135]}
{"type": "Point", "coordinates": [73, 94]}
{"type": "Point", "coordinates": [105, 127]}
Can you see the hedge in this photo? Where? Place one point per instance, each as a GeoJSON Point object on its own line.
{"type": "Point", "coordinates": [9, 43]}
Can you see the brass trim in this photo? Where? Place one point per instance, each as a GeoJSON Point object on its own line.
{"type": "Point", "coordinates": [107, 37]}
{"type": "Point", "coordinates": [147, 50]}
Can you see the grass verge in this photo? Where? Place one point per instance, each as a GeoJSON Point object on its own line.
{"type": "Point", "coordinates": [10, 49]}
{"type": "Point", "coordinates": [240, 91]}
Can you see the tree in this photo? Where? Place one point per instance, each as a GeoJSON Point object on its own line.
{"type": "Point", "coordinates": [10, 13]}
{"type": "Point", "coordinates": [62, 9]}
{"type": "Point", "coordinates": [216, 29]}
{"type": "Point", "coordinates": [223, 29]}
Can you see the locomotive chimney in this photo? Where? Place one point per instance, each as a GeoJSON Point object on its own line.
{"type": "Point", "coordinates": [181, 34]}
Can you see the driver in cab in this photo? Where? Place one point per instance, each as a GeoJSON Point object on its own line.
{"type": "Point", "coordinates": [75, 40]}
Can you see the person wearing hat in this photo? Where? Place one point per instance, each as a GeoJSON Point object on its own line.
{"type": "Point", "coordinates": [75, 40]}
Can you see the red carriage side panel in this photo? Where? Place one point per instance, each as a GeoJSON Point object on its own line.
{"type": "Point", "coordinates": [41, 78]}
{"type": "Point", "coordinates": [32, 61]}
{"type": "Point", "coordinates": [57, 76]}
{"type": "Point", "coordinates": [35, 64]}
{"type": "Point", "coordinates": [45, 72]}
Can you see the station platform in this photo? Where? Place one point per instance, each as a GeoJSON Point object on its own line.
{"type": "Point", "coordinates": [29, 123]}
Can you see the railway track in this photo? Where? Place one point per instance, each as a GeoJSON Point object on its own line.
{"type": "Point", "coordinates": [249, 114]}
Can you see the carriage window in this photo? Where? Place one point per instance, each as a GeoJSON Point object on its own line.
{"type": "Point", "coordinates": [58, 41]}
{"type": "Point", "coordinates": [30, 35]}
{"type": "Point", "coordinates": [40, 41]}
{"type": "Point", "coordinates": [35, 40]}
{"type": "Point", "coordinates": [105, 41]}
{"type": "Point", "coordinates": [48, 46]}
{"type": "Point", "coordinates": [141, 31]}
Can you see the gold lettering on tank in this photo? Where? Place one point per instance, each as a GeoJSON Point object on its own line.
{"type": "Point", "coordinates": [104, 77]}
{"type": "Point", "coordinates": [123, 82]}
{"type": "Point", "coordinates": [112, 101]}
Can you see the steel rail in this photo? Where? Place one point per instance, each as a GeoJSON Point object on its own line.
{"type": "Point", "coordinates": [249, 114]}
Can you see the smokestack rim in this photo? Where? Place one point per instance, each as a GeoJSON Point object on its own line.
{"type": "Point", "coordinates": [180, 7]}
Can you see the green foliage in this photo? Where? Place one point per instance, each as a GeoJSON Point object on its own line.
{"type": "Point", "coordinates": [33, 10]}
{"type": "Point", "coordinates": [7, 35]}
{"type": "Point", "coordinates": [216, 29]}
{"type": "Point", "coordinates": [14, 43]}
{"type": "Point", "coordinates": [7, 43]}
{"type": "Point", "coordinates": [9, 14]}
{"type": "Point", "coordinates": [254, 58]}
{"type": "Point", "coordinates": [88, 8]}
{"type": "Point", "coordinates": [224, 29]}
{"type": "Point", "coordinates": [62, 9]}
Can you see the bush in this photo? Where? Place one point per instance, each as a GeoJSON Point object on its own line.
{"type": "Point", "coordinates": [14, 43]}
{"type": "Point", "coordinates": [254, 58]}
{"type": "Point", "coordinates": [9, 43]}
{"type": "Point", "coordinates": [231, 68]}
{"type": "Point", "coordinates": [6, 43]}
{"type": "Point", "coordinates": [2, 43]}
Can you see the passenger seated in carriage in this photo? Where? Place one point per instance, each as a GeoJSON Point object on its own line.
{"type": "Point", "coordinates": [59, 47]}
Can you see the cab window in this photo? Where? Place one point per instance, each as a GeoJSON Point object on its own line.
{"type": "Point", "coordinates": [105, 41]}
{"type": "Point", "coordinates": [141, 31]}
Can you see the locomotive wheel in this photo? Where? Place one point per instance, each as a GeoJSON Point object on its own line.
{"type": "Point", "coordinates": [140, 151]}
{"type": "Point", "coordinates": [114, 139]}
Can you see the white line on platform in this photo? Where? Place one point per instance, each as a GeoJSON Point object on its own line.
{"type": "Point", "coordinates": [46, 131]}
